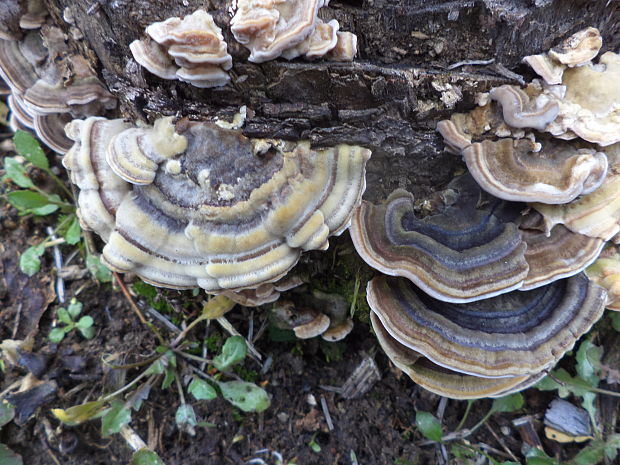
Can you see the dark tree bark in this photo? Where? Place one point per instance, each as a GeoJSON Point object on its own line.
{"type": "Point", "coordinates": [389, 99]}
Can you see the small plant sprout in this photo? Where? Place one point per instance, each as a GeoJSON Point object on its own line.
{"type": "Point", "coordinates": [68, 317]}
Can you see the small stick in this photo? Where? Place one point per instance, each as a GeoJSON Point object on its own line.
{"type": "Point", "coordinates": [328, 418]}
{"type": "Point", "coordinates": [501, 442]}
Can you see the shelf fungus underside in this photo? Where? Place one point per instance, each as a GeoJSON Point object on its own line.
{"type": "Point", "coordinates": [514, 334]}
{"type": "Point", "coordinates": [198, 205]}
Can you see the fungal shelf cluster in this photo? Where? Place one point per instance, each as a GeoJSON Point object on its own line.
{"type": "Point", "coordinates": [487, 294]}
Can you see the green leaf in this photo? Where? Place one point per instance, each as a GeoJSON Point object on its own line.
{"type": "Point", "coordinates": [98, 269]}
{"type": "Point", "coordinates": [589, 362]}
{"type": "Point", "coordinates": [8, 457]}
{"type": "Point", "coordinates": [576, 386]}
{"type": "Point", "coordinates": [115, 418]}
{"type": "Point", "coordinates": [29, 261]}
{"type": "Point", "coordinates": [56, 335]}
{"type": "Point", "coordinates": [87, 333]}
{"type": "Point", "coordinates": [26, 200]}
{"type": "Point", "coordinates": [186, 418]}
{"type": "Point", "coordinates": [85, 322]}
{"type": "Point", "coordinates": [536, 456]}
{"type": "Point", "coordinates": [74, 308]}
{"type": "Point", "coordinates": [79, 413]}
{"type": "Point", "coordinates": [615, 320]}
{"type": "Point", "coordinates": [157, 367]}
{"type": "Point", "coordinates": [44, 210]}
{"type": "Point", "coordinates": [145, 290]}
{"type": "Point", "coordinates": [201, 390]}
{"type": "Point", "coordinates": [316, 448]}
{"type": "Point", "coordinates": [233, 352]}
{"type": "Point", "coordinates": [591, 455]}
{"type": "Point", "coordinates": [73, 233]}
{"type": "Point", "coordinates": [17, 173]}
{"type": "Point", "coordinates": [7, 412]}
{"type": "Point", "coordinates": [146, 457]}
{"type": "Point", "coordinates": [507, 404]}
{"type": "Point", "coordinates": [246, 396]}
{"type": "Point", "coordinates": [168, 378]}
{"type": "Point", "coordinates": [429, 426]}
{"type": "Point", "coordinates": [63, 316]}
{"type": "Point", "coordinates": [29, 148]}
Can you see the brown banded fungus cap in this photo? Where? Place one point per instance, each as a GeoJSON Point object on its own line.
{"type": "Point", "coordinates": [525, 171]}
{"type": "Point", "coordinates": [523, 110]}
{"type": "Point", "coordinates": [469, 251]}
{"type": "Point", "coordinates": [514, 334]}
{"type": "Point", "coordinates": [606, 273]}
{"type": "Point", "coordinates": [198, 205]}
{"type": "Point", "coordinates": [49, 86]}
{"type": "Point", "coordinates": [558, 255]}
{"type": "Point", "coordinates": [442, 381]}
{"type": "Point", "coordinates": [306, 322]}
{"type": "Point", "coordinates": [191, 49]}
{"type": "Point", "coordinates": [289, 28]}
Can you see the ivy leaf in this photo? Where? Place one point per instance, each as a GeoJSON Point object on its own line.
{"type": "Point", "coordinates": [29, 261]}
{"type": "Point", "coordinates": [73, 233]}
{"type": "Point", "coordinates": [429, 426]}
{"type": "Point", "coordinates": [233, 352]}
{"type": "Point", "coordinates": [115, 418]}
{"type": "Point", "coordinates": [98, 269]}
{"type": "Point", "coordinates": [246, 396]}
{"type": "Point", "coordinates": [16, 172]}
{"type": "Point", "coordinates": [146, 457]}
{"type": "Point", "coordinates": [507, 404]}
{"type": "Point", "coordinates": [8, 457]}
{"type": "Point", "coordinates": [201, 390]}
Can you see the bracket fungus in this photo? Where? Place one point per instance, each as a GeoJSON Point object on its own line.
{"type": "Point", "coordinates": [49, 85]}
{"type": "Point", "coordinates": [514, 334]}
{"type": "Point", "coordinates": [469, 251]}
{"type": "Point", "coordinates": [198, 205]}
{"type": "Point", "coordinates": [606, 273]}
{"type": "Point", "coordinates": [289, 28]}
{"type": "Point", "coordinates": [560, 254]}
{"type": "Point", "coordinates": [525, 171]}
{"type": "Point", "coordinates": [441, 380]}
{"type": "Point", "coordinates": [191, 49]}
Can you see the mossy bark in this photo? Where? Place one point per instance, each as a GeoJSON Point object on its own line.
{"type": "Point", "coordinates": [389, 99]}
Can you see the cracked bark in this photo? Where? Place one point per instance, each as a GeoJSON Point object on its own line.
{"type": "Point", "coordinates": [389, 99]}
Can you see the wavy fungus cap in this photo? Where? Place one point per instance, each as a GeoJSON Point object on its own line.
{"type": "Point", "coordinates": [466, 252]}
{"type": "Point", "coordinates": [49, 85]}
{"type": "Point", "coordinates": [560, 254]}
{"type": "Point", "coordinates": [526, 171]}
{"type": "Point", "coordinates": [191, 49]}
{"type": "Point", "coordinates": [514, 334]}
{"type": "Point", "coordinates": [205, 206]}
{"type": "Point", "coordinates": [290, 28]}
{"type": "Point", "coordinates": [442, 381]}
